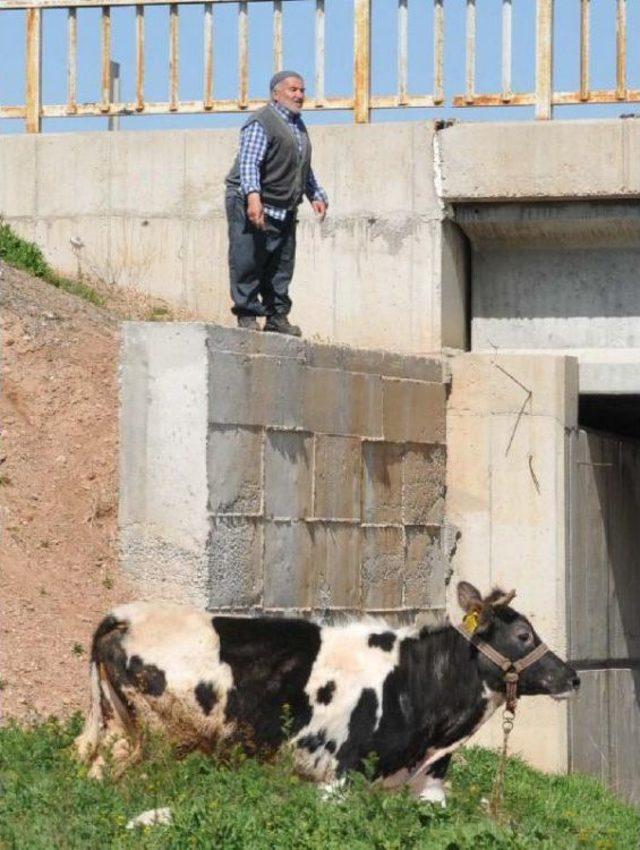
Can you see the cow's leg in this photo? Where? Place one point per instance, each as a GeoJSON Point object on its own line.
{"type": "Point", "coordinates": [429, 785]}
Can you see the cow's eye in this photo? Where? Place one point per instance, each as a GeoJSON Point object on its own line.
{"type": "Point", "coordinates": [524, 636]}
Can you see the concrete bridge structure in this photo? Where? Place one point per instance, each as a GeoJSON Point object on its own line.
{"type": "Point", "coordinates": [471, 370]}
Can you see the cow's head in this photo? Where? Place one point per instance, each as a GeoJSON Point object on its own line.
{"type": "Point", "coordinates": [494, 621]}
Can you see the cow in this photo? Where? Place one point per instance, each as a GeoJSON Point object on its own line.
{"type": "Point", "coordinates": [349, 697]}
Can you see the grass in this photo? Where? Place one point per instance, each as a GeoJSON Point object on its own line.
{"type": "Point", "coordinates": [27, 256]}
{"type": "Point", "coordinates": [47, 801]}
{"type": "Point", "coordinates": [159, 314]}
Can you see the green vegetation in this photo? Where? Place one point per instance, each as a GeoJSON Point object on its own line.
{"type": "Point", "coordinates": [159, 314]}
{"type": "Point", "coordinates": [47, 802]}
{"type": "Point", "coordinates": [27, 256]}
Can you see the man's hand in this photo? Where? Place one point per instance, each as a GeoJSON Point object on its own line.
{"type": "Point", "coordinates": [255, 211]}
{"type": "Point", "coordinates": [320, 209]}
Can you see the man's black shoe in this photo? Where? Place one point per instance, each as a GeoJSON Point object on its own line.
{"type": "Point", "coordinates": [249, 323]}
{"type": "Point", "coordinates": [281, 325]}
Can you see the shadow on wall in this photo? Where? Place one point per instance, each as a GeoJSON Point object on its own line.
{"type": "Point", "coordinates": [619, 495]}
{"type": "Point", "coordinates": [604, 592]}
{"type": "Point", "coordinates": [619, 414]}
{"type": "Point", "coordinates": [554, 260]}
{"type": "Point", "coordinates": [528, 283]}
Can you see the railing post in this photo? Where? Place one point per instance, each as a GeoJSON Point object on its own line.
{"type": "Point", "coordinates": [544, 59]}
{"type": "Point", "coordinates": [34, 71]}
{"type": "Point", "coordinates": [113, 122]}
{"type": "Point", "coordinates": [362, 65]}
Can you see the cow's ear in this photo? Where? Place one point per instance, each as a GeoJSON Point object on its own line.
{"type": "Point", "coordinates": [469, 597]}
{"type": "Point", "coordinates": [503, 600]}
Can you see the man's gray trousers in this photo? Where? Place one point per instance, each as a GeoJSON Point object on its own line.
{"type": "Point", "coordinates": [260, 261]}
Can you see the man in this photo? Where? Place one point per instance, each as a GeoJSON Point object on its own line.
{"type": "Point", "coordinates": [271, 174]}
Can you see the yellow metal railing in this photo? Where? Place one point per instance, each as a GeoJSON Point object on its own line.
{"type": "Point", "coordinates": [544, 97]}
{"type": "Point", "coordinates": [361, 100]}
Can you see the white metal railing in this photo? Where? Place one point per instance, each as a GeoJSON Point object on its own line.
{"type": "Point", "coordinates": [361, 99]}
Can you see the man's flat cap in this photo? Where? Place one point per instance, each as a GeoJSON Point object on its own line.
{"type": "Point", "coordinates": [282, 75]}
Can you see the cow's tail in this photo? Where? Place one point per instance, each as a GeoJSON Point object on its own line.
{"type": "Point", "coordinates": [107, 705]}
{"type": "Point", "coordinates": [88, 740]}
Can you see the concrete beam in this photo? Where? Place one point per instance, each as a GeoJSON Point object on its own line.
{"type": "Point", "coordinates": [550, 160]}
{"type": "Point", "coordinates": [606, 371]}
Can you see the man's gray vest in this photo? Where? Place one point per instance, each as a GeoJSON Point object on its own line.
{"type": "Point", "coordinates": [285, 170]}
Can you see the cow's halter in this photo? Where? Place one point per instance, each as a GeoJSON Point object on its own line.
{"type": "Point", "coordinates": [511, 669]}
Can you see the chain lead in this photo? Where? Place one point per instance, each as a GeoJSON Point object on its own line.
{"type": "Point", "coordinates": [497, 793]}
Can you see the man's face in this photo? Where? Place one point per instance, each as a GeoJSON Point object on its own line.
{"type": "Point", "coordinates": [290, 94]}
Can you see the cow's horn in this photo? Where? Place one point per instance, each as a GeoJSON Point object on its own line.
{"type": "Point", "coordinates": [504, 600]}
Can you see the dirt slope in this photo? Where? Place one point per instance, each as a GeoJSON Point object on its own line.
{"type": "Point", "coordinates": [58, 489]}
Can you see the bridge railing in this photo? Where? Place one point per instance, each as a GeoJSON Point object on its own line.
{"type": "Point", "coordinates": [545, 97]}
{"type": "Point", "coordinates": [361, 99]}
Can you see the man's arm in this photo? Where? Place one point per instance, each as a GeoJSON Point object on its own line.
{"type": "Point", "coordinates": [317, 196]}
{"type": "Point", "coordinates": [253, 147]}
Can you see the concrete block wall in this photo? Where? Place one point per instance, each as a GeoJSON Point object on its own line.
{"type": "Point", "coordinates": [279, 474]}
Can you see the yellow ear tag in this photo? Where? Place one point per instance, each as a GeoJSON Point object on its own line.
{"type": "Point", "coordinates": [471, 621]}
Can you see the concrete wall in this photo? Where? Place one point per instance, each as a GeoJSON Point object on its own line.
{"type": "Point", "coordinates": [509, 422]}
{"type": "Point", "coordinates": [389, 267]}
{"type": "Point", "coordinates": [264, 472]}
{"type": "Point", "coordinates": [556, 277]}
{"type": "Point", "coordinates": [148, 209]}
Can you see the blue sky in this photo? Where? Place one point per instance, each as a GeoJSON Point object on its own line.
{"type": "Point", "coordinates": [299, 54]}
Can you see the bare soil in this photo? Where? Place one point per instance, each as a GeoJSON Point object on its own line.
{"type": "Point", "coordinates": [59, 568]}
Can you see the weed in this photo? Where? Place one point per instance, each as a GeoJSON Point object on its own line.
{"type": "Point", "coordinates": [159, 314]}
{"type": "Point", "coordinates": [5, 480]}
{"type": "Point", "coordinates": [75, 287]}
{"type": "Point", "coordinates": [107, 582]}
{"type": "Point", "coordinates": [21, 254]}
{"type": "Point", "coordinates": [78, 649]}
{"type": "Point", "coordinates": [48, 801]}
{"type": "Point", "coordinates": [3, 684]}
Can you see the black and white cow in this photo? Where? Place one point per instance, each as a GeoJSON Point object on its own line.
{"type": "Point", "coordinates": [334, 694]}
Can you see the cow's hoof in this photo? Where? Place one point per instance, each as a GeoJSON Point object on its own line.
{"type": "Point", "coordinates": [331, 790]}
{"type": "Point", "coordinates": [83, 750]}
{"type": "Point", "coordinates": [434, 794]}
{"type": "Point", "coordinates": [85, 747]}
{"type": "Point", "coordinates": [96, 771]}
{"type": "Point", "coordinates": [152, 817]}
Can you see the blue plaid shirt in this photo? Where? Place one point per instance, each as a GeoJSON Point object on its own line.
{"type": "Point", "coordinates": [253, 148]}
